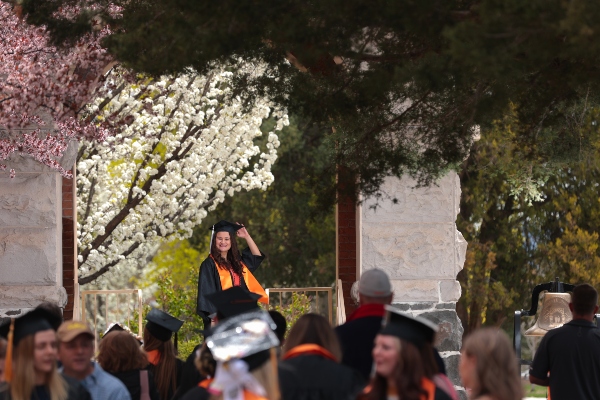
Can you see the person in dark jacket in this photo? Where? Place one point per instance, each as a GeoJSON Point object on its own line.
{"type": "Point", "coordinates": [31, 355]}
{"type": "Point", "coordinates": [121, 356]}
{"type": "Point", "coordinates": [310, 368]}
{"type": "Point", "coordinates": [357, 335]}
{"type": "Point", "coordinates": [205, 365]}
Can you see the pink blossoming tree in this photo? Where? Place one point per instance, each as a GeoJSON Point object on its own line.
{"type": "Point", "coordinates": [44, 90]}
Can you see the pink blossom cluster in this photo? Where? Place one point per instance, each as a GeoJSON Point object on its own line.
{"type": "Point", "coordinates": [44, 90]}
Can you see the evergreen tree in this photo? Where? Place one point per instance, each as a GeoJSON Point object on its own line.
{"type": "Point", "coordinates": [402, 84]}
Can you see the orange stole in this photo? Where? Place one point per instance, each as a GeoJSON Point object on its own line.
{"type": "Point", "coordinates": [251, 282]}
{"type": "Point", "coordinates": [309, 349]}
{"type": "Point", "coordinates": [251, 396]}
{"type": "Point", "coordinates": [426, 384]}
{"type": "Point", "coordinates": [153, 357]}
{"type": "Point", "coordinates": [205, 383]}
{"type": "Point", "coordinates": [429, 387]}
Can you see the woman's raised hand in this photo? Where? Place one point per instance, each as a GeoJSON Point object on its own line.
{"type": "Point", "coordinates": [242, 232]}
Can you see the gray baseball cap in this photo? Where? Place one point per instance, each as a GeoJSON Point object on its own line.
{"type": "Point", "coordinates": [374, 283]}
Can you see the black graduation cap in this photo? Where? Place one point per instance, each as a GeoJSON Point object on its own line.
{"type": "Point", "coordinates": [415, 330]}
{"type": "Point", "coordinates": [114, 327]}
{"type": "Point", "coordinates": [225, 226]}
{"type": "Point", "coordinates": [233, 301]}
{"type": "Point", "coordinates": [28, 324]}
{"type": "Point", "coordinates": [162, 325]}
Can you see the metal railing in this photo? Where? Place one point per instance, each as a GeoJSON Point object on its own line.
{"type": "Point", "coordinates": [114, 306]}
{"type": "Point", "coordinates": [315, 300]}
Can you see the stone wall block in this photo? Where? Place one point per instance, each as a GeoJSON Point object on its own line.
{"type": "Point", "coordinates": [450, 290]}
{"type": "Point", "coordinates": [407, 251]}
{"type": "Point", "coordinates": [449, 336]}
{"type": "Point", "coordinates": [30, 201]}
{"type": "Point", "coordinates": [409, 291]}
{"type": "Point", "coordinates": [28, 256]}
{"type": "Point", "coordinates": [26, 164]}
{"type": "Point", "coordinates": [428, 204]}
{"type": "Point", "coordinates": [15, 298]}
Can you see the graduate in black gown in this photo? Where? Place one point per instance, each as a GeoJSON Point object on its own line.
{"type": "Point", "coordinates": [225, 267]}
{"type": "Point", "coordinates": [228, 303]}
{"type": "Point", "coordinates": [164, 364]}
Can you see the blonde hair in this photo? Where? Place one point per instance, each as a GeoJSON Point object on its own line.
{"type": "Point", "coordinates": [496, 368]}
{"type": "Point", "coordinates": [23, 380]}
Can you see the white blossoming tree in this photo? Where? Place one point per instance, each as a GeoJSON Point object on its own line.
{"type": "Point", "coordinates": [184, 143]}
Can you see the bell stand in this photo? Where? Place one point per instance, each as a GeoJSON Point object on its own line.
{"type": "Point", "coordinates": [552, 287]}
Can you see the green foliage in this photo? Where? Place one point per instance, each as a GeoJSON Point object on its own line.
{"type": "Point", "coordinates": [401, 83]}
{"type": "Point", "coordinates": [516, 243]}
{"type": "Point", "coordinates": [298, 305]}
{"type": "Point", "coordinates": [174, 275]}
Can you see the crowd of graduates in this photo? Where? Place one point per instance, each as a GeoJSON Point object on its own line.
{"type": "Point", "coordinates": [247, 353]}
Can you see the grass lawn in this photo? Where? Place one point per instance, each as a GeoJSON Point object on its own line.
{"type": "Point", "coordinates": [530, 390]}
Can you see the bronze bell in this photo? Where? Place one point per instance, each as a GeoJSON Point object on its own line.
{"type": "Point", "coordinates": [555, 313]}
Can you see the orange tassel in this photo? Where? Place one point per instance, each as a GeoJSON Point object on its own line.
{"type": "Point", "coordinates": [8, 367]}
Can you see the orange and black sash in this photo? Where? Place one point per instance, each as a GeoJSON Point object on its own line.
{"type": "Point", "coordinates": [426, 384]}
{"type": "Point", "coordinates": [251, 282]}
{"type": "Point", "coordinates": [308, 349]}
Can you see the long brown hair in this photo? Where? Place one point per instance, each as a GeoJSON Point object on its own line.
{"type": "Point", "coordinates": [23, 380]}
{"type": "Point", "coordinates": [119, 351]}
{"type": "Point", "coordinates": [313, 328]}
{"type": "Point", "coordinates": [408, 375]}
{"type": "Point", "coordinates": [234, 259]}
{"type": "Point", "coordinates": [496, 370]}
{"type": "Point", "coordinates": [165, 374]}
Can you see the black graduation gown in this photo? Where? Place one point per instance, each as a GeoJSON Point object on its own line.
{"type": "Point", "coordinates": [312, 377]}
{"type": "Point", "coordinates": [179, 366]}
{"type": "Point", "coordinates": [76, 391]}
{"type": "Point", "coordinates": [190, 376]}
{"type": "Point", "coordinates": [131, 380]}
{"type": "Point", "coordinates": [209, 281]}
{"type": "Point", "coordinates": [197, 393]}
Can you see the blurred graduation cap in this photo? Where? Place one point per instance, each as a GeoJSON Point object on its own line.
{"type": "Point", "coordinates": [162, 325]}
{"type": "Point", "coordinates": [19, 328]}
{"type": "Point", "coordinates": [246, 336]}
{"type": "Point", "coordinates": [233, 301]}
{"type": "Point", "coordinates": [28, 324]}
{"type": "Point", "coordinates": [415, 330]}
{"type": "Point", "coordinates": [114, 327]}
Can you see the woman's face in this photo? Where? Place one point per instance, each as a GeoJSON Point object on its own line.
{"type": "Point", "coordinates": [45, 351]}
{"type": "Point", "coordinates": [467, 369]}
{"type": "Point", "coordinates": [223, 241]}
{"type": "Point", "coordinates": [386, 354]}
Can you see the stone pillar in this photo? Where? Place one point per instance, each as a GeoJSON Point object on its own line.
{"type": "Point", "coordinates": [30, 237]}
{"type": "Point", "coordinates": [413, 237]}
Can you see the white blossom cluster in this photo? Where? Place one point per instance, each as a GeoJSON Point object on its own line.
{"type": "Point", "coordinates": [184, 143]}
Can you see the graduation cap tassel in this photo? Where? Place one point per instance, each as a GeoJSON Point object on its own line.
{"type": "Point", "coordinates": [8, 369]}
{"type": "Point", "coordinates": [211, 239]}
